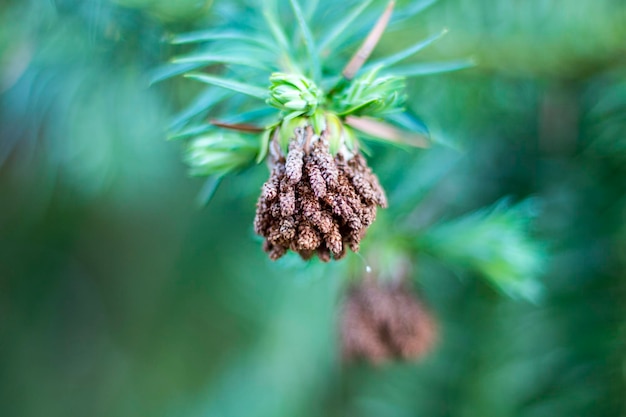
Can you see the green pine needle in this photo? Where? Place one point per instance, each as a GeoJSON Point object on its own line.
{"type": "Point", "coordinates": [397, 57]}
{"type": "Point", "coordinates": [217, 34]}
{"type": "Point", "coordinates": [168, 71]}
{"type": "Point", "coordinates": [496, 243]}
{"type": "Point", "coordinates": [341, 26]}
{"type": "Point", "coordinates": [211, 58]}
{"type": "Point", "coordinates": [236, 86]}
{"type": "Point", "coordinates": [316, 68]}
{"type": "Point", "coordinates": [208, 190]}
{"type": "Point", "coordinates": [429, 68]}
{"type": "Point", "coordinates": [203, 103]}
{"type": "Point", "coordinates": [278, 33]}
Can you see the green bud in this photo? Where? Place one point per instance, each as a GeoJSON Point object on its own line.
{"type": "Point", "coordinates": [371, 96]}
{"type": "Point", "coordinates": [220, 153]}
{"type": "Point", "coordinates": [297, 105]}
{"type": "Point", "coordinates": [294, 94]}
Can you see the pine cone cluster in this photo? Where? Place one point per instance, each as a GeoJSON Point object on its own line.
{"type": "Point", "coordinates": [314, 203]}
{"type": "Point", "coordinates": [383, 321]}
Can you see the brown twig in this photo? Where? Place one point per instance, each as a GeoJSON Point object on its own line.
{"type": "Point", "coordinates": [386, 131]}
{"type": "Point", "coordinates": [370, 42]}
{"type": "Point", "coordinates": [239, 127]}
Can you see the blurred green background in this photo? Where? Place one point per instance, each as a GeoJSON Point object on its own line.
{"type": "Point", "coordinates": [120, 297]}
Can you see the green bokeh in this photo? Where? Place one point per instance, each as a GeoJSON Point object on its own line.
{"type": "Point", "coordinates": [119, 296]}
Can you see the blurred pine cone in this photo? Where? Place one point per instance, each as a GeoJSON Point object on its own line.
{"type": "Point", "coordinates": [383, 321]}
